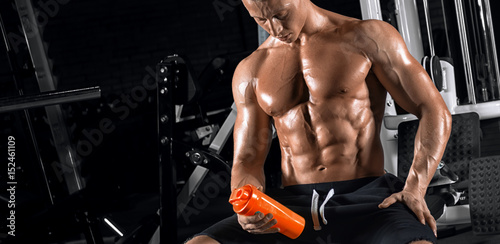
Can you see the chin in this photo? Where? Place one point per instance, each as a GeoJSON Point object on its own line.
{"type": "Point", "coordinates": [292, 40]}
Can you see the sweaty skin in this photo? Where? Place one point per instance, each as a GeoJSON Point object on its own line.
{"type": "Point", "coordinates": [321, 78]}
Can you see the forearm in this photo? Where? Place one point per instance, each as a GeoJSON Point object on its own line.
{"type": "Point", "coordinates": [242, 175]}
{"type": "Point", "coordinates": [249, 158]}
{"type": "Point", "coordinates": [251, 145]}
{"type": "Point", "coordinates": [430, 143]}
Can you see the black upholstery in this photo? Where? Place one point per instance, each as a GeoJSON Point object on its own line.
{"type": "Point", "coordinates": [484, 192]}
{"type": "Point", "coordinates": [462, 147]}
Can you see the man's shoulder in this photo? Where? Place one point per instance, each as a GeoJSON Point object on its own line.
{"type": "Point", "coordinates": [245, 70]}
{"type": "Point", "coordinates": [357, 27]}
{"type": "Point", "coordinates": [248, 65]}
{"type": "Point", "coordinates": [368, 35]}
{"type": "Point", "coordinates": [373, 26]}
{"type": "Point", "coordinates": [352, 30]}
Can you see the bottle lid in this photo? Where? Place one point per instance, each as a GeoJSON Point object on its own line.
{"type": "Point", "coordinates": [240, 197]}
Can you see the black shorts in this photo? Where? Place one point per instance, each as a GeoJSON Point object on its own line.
{"type": "Point", "coordinates": [351, 215]}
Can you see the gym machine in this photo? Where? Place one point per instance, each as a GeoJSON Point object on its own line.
{"type": "Point", "coordinates": [467, 76]}
{"type": "Point", "coordinates": [62, 196]}
{"type": "Point", "coordinates": [181, 108]}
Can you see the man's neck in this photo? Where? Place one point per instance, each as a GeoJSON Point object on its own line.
{"type": "Point", "coordinates": [315, 22]}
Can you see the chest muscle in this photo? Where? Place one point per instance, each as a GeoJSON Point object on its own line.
{"type": "Point", "coordinates": [293, 77]}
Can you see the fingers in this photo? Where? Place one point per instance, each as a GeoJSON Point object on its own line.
{"type": "Point", "coordinates": [426, 217]}
{"type": "Point", "coordinates": [258, 223]}
{"type": "Point", "coordinates": [418, 207]}
{"type": "Point", "coordinates": [253, 218]}
{"type": "Point", "coordinates": [388, 201]}
{"type": "Point", "coordinates": [432, 222]}
{"type": "Point", "coordinates": [420, 217]}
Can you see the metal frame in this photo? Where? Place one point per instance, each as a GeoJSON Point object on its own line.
{"type": "Point", "coordinates": [224, 132]}
{"type": "Point", "coordinates": [48, 98]}
{"type": "Point", "coordinates": [370, 9]}
{"type": "Point", "coordinates": [190, 188]}
{"type": "Point", "coordinates": [46, 82]}
{"type": "Point", "coordinates": [493, 42]}
{"type": "Point", "coordinates": [465, 51]}
{"type": "Point", "coordinates": [167, 167]}
{"type": "Point", "coordinates": [409, 26]}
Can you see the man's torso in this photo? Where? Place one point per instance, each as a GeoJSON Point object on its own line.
{"type": "Point", "coordinates": [326, 104]}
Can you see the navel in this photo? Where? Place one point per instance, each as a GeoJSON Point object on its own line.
{"type": "Point", "coordinates": [344, 90]}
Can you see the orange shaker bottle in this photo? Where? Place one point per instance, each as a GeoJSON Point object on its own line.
{"type": "Point", "coordinates": [247, 200]}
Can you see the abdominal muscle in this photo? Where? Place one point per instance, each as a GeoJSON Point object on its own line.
{"type": "Point", "coordinates": [321, 145]}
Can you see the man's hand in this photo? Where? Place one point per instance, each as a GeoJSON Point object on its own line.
{"type": "Point", "coordinates": [258, 223]}
{"type": "Point", "coordinates": [415, 203]}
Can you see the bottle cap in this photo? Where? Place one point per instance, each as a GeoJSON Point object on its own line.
{"type": "Point", "coordinates": [240, 197]}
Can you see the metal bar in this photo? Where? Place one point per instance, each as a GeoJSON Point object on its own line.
{"type": "Point", "coordinates": [48, 98]}
{"type": "Point", "coordinates": [224, 132]}
{"type": "Point", "coordinates": [62, 143]}
{"type": "Point", "coordinates": [446, 27]}
{"type": "Point", "coordinates": [190, 188]}
{"type": "Point", "coordinates": [4, 34]}
{"type": "Point", "coordinates": [370, 9]}
{"type": "Point", "coordinates": [493, 45]}
{"type": "Point", "coordinates": [465, 51]}
{"type": "Point", "coordinates": [15, 73]}
{"type": "Point", "coordinates": [167, 166]}
{"type": "Point", "coordinates": [35, 45]}
{"type": "Point", "coordinates": [409, 26]}
{"type": "Point", "coordinates": [210, 113]}
{"type": "Point", "coordinates": [38, 155]}
{"type": "Point", "coordinates": [429, 27]}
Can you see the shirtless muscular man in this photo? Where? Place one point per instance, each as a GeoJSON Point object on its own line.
{"type": "Point", "coordinates": [321, 78]}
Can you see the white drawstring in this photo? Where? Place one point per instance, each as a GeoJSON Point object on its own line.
{"type": "Point", "coordinates": [314, 208]}
{"type": "Point", "coordinates": [322, 208]}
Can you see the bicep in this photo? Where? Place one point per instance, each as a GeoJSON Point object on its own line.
{"type": "Point", "coordinates": [252, 129]}
{"type": "Point", "coordinates": [402, 75]}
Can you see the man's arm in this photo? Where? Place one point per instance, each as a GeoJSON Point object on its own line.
{"type": "Point", "coordinates": [410, 86]}
{"type": "Point", "coordinates": [252, 139]}
{"type": "Point", "coordinates": [252, 132]}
